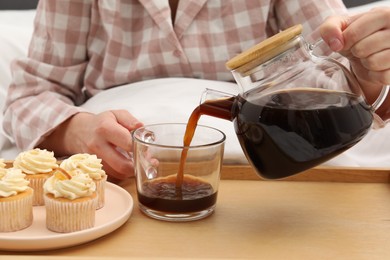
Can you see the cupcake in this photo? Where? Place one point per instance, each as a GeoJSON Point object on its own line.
{"type": "Point", "coordinates": [92, 166]}
{"type": "Point", "coordinates": [38, 165]}
{"type": "Point", "coordinates": [70, 201]}
{"type": "Point", "coordinates": [16, 198]}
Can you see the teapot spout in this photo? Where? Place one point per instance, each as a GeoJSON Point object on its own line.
{"type": "Point", "coordinates": [218, 104]}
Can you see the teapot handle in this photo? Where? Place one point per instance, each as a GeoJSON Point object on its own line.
{"type": "Point", "coordinates": [381, 107]}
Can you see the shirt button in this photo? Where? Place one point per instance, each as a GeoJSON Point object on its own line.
{"type": "Point", "coordinates": [177, 53]}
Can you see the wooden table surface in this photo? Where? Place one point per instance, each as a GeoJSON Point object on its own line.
{"type": "Point", "coordinates": [306, 217]}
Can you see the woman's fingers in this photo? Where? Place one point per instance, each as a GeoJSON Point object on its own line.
{"type": "Point", "coordinates": [108, 131]}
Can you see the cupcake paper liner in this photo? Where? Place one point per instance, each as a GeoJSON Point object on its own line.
{"type": "Point", "coordinates": [68, 216]}
{"type": "Point", "coordinates": [36, 183]}
{"type": "Point", "coordinates": [16, 213]}
{"type": "Point", "coordinates": [100, 190]}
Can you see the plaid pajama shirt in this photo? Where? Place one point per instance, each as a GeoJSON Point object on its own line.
{"type": "Point", "coordinates": [81, 47]}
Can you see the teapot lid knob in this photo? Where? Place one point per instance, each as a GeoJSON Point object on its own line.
{"type": "Point", "coordinates": [259, 50]}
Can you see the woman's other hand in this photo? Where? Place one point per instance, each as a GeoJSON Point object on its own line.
{"type": "Point", "coordinates": [101, 134]}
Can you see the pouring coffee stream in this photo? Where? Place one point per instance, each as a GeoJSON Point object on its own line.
{"type": "Point", "coordinates": [295, 109]}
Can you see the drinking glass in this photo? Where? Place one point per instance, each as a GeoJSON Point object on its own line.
{"type": "Point", "coordinates": [176, 182]}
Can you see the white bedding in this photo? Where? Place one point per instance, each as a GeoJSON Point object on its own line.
{"type": "Point", "coordinates": [169, 100]}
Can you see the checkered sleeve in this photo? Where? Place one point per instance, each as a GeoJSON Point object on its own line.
{"type": "Point", "coordinates": [48, 83]}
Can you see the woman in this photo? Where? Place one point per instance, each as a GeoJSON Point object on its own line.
{"type": "Point", "coordinates": [80, 48]}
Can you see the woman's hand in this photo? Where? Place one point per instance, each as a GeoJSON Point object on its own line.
{"type": "Point", "coordinates": [365, 40]}
{"type": "Point", "coordinates": [100, 134]}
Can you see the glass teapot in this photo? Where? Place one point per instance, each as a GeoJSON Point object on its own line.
{"type": "Point", "coordinates": [295, 109]}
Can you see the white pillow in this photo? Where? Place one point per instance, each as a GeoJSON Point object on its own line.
{"type": "Point", "coordinates": [16, 28]}
{"type": "Point", "coordinates": [170, 100]}
{"type": "Point", "coordinates": [15, 33]}
{"type": "Point", "coordinates": [173, 100]}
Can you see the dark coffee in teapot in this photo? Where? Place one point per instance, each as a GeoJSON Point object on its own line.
{"type": "Point", "coordinates": [290, 131]}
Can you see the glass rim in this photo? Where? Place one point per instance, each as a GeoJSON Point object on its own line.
{"type": "Point", "coordinates": [220, 140]}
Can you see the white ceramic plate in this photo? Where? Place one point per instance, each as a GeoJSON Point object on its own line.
{"type": "Point", "coordinates": [116, 211]}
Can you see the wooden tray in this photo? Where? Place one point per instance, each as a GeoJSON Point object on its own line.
{"type": "Point", "coordinates": [317, 174]}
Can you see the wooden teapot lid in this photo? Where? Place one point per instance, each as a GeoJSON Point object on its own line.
{"type": "Point", "coordinates": [262, 49]}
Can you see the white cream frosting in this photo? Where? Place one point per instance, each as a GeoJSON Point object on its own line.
{"type": "Point", "coordinates": [36, 161]}
{"type": "Point", "coordinates": [78, 186]}
{"type": "Point", "coordinates": [87, 163]}
{"type": "Point", "coordinates": [12, 182]}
